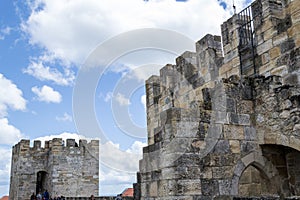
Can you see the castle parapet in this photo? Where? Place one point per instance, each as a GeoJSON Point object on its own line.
{"type": "Point", "coordinates": [207, 120]}
{"type": "Point", "coordinates": [47, 144]}
{"type": "Point", "coordinates": [168, 75]}
{"type": "Point", "coordinates": [82, 142]}
{"type": "Point", "coordinates": [209, 55]}
{"type": "Point", "coordinates": [153, 90]}
{"type": "Point", "coordinates": [153, 95]}
{"type": "Point", "coordinates": [55, 145]}
{"type": "Point", "coordinates": [186, 65]}
{"type": "Point", "coordinates": [22, 147]}
{"type": "Point", "coordinates": [71, 143]}
{"type": "Point", "coordinates": [94, 143]}
{"type": "Point", "coordinates": [37, 144]}
{"type": "Point", "coordinates": [230, 38]}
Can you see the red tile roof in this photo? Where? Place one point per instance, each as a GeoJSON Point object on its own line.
{"type": "Point", "coordinates": [4, 198]}
{"type": "Point", "coordinates": [128, 192]}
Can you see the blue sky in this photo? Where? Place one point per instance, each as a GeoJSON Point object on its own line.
{"type": "Point", "coordinates": [43, 44]}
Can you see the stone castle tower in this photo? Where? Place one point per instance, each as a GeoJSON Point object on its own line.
{"type": "Point", "coordinates": [69, 170]}
{"type": "Point", "coordinates": [224, 121]}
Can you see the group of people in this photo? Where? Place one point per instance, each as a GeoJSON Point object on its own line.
{"type": "Point", "coordinates": [40, 196]}
{"type": "Point", "coordinates": [119, 197]}
{"type": "Point", "coordinates": [44, 196]}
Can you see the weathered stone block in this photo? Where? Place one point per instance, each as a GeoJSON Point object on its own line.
{"type": "Point", "coordinates": [222, 172]}
{"type": "Point", "coordinates": [230, 105]}
{"type": "Point", "coordinates": [222, 147]}
{"type": "Point", "coordinates": [233, 71]}
{"type": "Point", "coordinates": [265, 58]}
{"type": "Point", "coordinates": [234, 132]}
{"type": "Point", "coordinates": [274, 52]}
{"type": "Point", "coordinates": [189, 187]}
{"type": "Point", "coordinates": [248, 146]}
{"type": "Point", "coordinates": [209, 187]}
{"type": "Point", "coordinates": [153, 190]}
{"type": "Point", "coordinates": [280, 38]}
{"type": "Point", "coordinates": [218, 160]}
{"type": "Point", "coordinates": [239, 119]}
{"type": "Point", "coordinates": [225, 188]}
{"type": "Point", "coordinates": [287, 46]}
{"type": "Point", "coordinates": [235, 146]}
{"type": "Point", "coordinates": [206, 98]}
{"type": "Point", "coordinates": [283, 70]}
{"type": "Point", "coordinates": [264, 47]}
{"type": "Point", "coordinates": [284, 24]}
{"type": "Point", "coordinates": [219, 117]}
{"type": "Point", "coordinates": [245, 106]}
{"type": "Point", "coordinates": [250, 133]}
{"type": "Point", "coordinates": [270, 138]}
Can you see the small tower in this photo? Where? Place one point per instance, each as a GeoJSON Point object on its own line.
{"type": "Point", "coordinates": [70, 170]}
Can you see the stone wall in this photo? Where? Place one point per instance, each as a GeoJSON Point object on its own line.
{"type": "Point", "coordinates": [68, 170]}
{"type": "Point", "coordinates": [97, 198]}
{"type": "Point", "coordinates": [276, 28]}
{"type": "Point", "coordinates": [216, 129]}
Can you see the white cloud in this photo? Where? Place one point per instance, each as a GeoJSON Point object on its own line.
{"type": "Point", "coordinates": [46, 94]}
{"type": "Point", "coordinates": [64, 136]}
{"type": "Point", "coordinates": [11, 97]}
{"type": "Point", "coordinates": [108, 96]}
{"type": "Point", "coordinates": [67, 35]}
{"type": "Point", "coordinates": [5, 161]}
{"type": "Point", "coordinates": [8, 133]}
{"type": "Point", "coordinates": [119, 169]}
{"type": "Point", "coordinates": [114, 182]}
{"type": "Point", "coordinates": [144, 72]}
{"type": "Point", "coordinates": [122, 100]}
{"type": "Point", "coordinates": [64, 118]}
{"type": "Point", "coordinates": [46, 73]}
{"type": "Point", "coordinates": [137, 69]}
{"type": "Point", "coordinates": [70, 30]}
{"type": "Point", "coordinates": [143, 101]}
{"type": "Point", "coordinates": [121, 160]}
{"type": "Point", "coordinates": [119, 98]}
{"type": "Point", "coordinates": [136, 148]}
{"type": "Point", "coordinates": [4, 32]}
{"type": "Point", "coordinates": [77, 27]}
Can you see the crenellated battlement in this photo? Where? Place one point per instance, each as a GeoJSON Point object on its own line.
{"type": "Point", "coordinates": [56, 166]}
{"type": "Point", "coordinates": [56, 143]}
{"type": "Point", "coordinates": [263, 39]}
{"type": "Point", "coordinates": [224, 121]}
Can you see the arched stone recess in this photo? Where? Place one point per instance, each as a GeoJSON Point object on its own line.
{"type": "Point", "coordinates": [255, 161]}
{"type": "Point", "coordinates": [289, 140]}
{"type": "Point", "coordinates": [41, 181]}
{"type": "Point", "coordinates": [287, 162]}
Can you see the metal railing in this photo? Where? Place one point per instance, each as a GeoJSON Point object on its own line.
{"type": "Point", "coordinates": [246, 39]}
